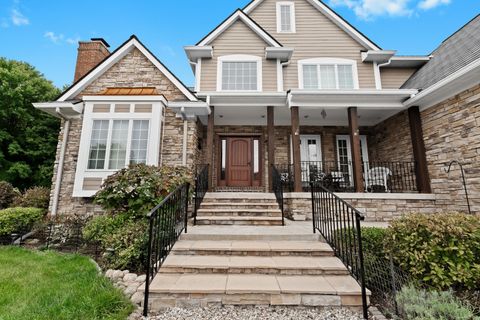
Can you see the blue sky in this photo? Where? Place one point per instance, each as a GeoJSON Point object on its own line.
{"type": "Point", "coordinates": [45, 33]}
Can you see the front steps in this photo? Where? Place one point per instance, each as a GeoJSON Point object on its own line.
{"type": "Point", "coordinates": [272, 271]}
{"type": "Point", "coordinates": [239, 208]}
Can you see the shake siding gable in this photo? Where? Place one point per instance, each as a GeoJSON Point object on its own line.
{"type": "Point", "coordinates": [316, 36]}
{"type": "Point", "coordinates": [238, 39]}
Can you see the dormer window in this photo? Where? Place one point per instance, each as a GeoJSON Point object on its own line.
{"type": "Point", "coordinates": [327, 73]}
{"type": "Point", "coordinates": [239, 73]}
{"type": "Point", "coordinates": [285, 17]}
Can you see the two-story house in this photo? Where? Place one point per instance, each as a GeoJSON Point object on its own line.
{"type": "Point", "coordinates": [284, 87]}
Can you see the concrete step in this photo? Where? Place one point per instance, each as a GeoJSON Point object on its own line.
{"type": "Point", "coordinates": [239, 197]}
{"type": "Point", "coordinates": [241, 212]}
{"type": "Point", "coordinates": [232, 220]}
{"type": "Point", "coordinates": [276, 265]}
{"type": "Point", "coordinates": [246, 205]}
{"type": "Point", "coordinates": [248, 237]}
{"type": "Point", "coordinates": [252, 248]}
{"type": "Point", "coordinates": [171, 290]}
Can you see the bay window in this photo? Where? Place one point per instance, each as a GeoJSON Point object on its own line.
{"type": "Point", "coordinates": [114, 135]}
{"type": "Point", "coordinates": [326, 73]}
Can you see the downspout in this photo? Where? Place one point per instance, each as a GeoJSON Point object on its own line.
{"type": "Point", "coordinates": [58, 180]}
{"type": "Point", "coordinates": [378, 77]}
{"type": "Point", "coordinates": [185, 137]}
{"type": "Point", "coordinates": [164, 115]}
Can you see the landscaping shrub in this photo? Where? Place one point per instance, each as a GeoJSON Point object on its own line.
{"type": "Point", "coordinates": [36, 197]}
{"type": "Point", "coordinates": [420, 304]}
{"type": "Point", "coordinates": [19, 220]}
{"type": "Point", "coordinates": [372, 240]}
{"type": "Point", "coordinates": [127, 196]}
{"type": "Point", "coordinates": [139, 188]}
{"type": "Point", "coordinates": [7, 194]}
{"type": "Point", "coordinates": [441, 250]}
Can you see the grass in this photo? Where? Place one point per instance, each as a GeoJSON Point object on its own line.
{"type": "Point", "coordinates": [38, 285]}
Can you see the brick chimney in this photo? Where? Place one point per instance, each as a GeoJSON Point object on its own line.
{"type": "Point", "coordinates": [90, 54]}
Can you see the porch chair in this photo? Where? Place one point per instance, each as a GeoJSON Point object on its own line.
{"type": "Point", "coordinates": [377, 176]}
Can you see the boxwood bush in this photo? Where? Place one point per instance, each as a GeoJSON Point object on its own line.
{"type": "Point", "coordinates": [19, 220]}
{"type": "Point", "coordinates": [36, 197]}
{"type": "Point", "coordinates": [441, 250]}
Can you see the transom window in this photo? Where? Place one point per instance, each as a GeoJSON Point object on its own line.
{"type": "Point", "coordinates": [328, 74]}
{"type": "Point", "coordinates": [116, 143]}
{"type": "Point", "coordinates": [239, 73]}
{"type": "Point", "coordinates": [285, 17]}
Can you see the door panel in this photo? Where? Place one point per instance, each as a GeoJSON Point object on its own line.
{"type": "Point", "coordinates": [344, 154]}
{"type": "Point", "coordinates": [239, 162]}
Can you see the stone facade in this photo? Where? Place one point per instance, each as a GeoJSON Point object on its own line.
{"type": "Point", "coordinates": [134, 70]}
{"type": "Point", "coordinates": [451, 131]}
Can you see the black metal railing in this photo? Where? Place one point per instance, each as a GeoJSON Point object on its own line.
{"type": "Point", "coordinates": [277, 187]}
{"type": "Point", "coordinates": [166, 222]}
{"type": "Point", "coordinates": [378, 176]}
{"type": "Point", "coordinates": [390, 176]}
{"type": "Point", "coordinates": [201, 188]}
{"type": "Point", "coordinates": [339, 223]}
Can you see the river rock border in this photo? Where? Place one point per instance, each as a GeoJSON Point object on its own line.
{"type": "Point", "coordinates": [129, 283]}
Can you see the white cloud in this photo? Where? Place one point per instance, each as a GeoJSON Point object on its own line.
{"type": "Point", "coordinates": [55, 38]}
{"type": "Point", "coordinates": [18, 18]}
{"type": "Point", "coordinates": [430, 4]}
{"type": "Point", "coordinates": [369, 9]}
{"type": "Point", "coordinates": [72, 41]}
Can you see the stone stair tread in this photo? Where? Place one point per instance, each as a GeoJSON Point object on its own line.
{"type": "Point", "coordinates": [239, 218]}
{"type": "Point", "coordinates": [239, 195]}
{"type": "Point", "coordinates": [249, 245]}
{"type": "Point", "coordinates": [252, 262]}
{"type": "Point", "coordinates": [234, 210]}
{"type": "Point", "coordinates": [250, 203]}
{"type": "Point", "coordinates": [254, 284]}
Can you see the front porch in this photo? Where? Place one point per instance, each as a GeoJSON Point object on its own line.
{"type": "Point", "coordinates": [364, 149]}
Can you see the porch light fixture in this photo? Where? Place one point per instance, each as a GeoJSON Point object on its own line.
{"type": "Point", "coordinates": [306, 116]}
{"type": "Point", "coordinates": [220, 115]}
{"type": "Point", "coordinates": [324, 114]}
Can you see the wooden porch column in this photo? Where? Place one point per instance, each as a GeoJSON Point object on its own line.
{"type": "Point", "coordinates": [355, 146]}
{"type": "Point", "coordinates": [419, 154]}
{"type": "Point", "coordinates": [210, 147]}
{"type": "Point", "coordinates": [297, 169]}
{"type": "Point", "coordinates": [270, 145]}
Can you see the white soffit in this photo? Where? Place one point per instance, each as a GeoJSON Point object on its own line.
{"type": "Point", "coordinates": [67, 109]}
{"type": "Point", "coordinates": [387, 98]}
{"type": "Point", "coordinates": [194, 53]}
{"type": "Point", "coordinates": [408, 61]}
{"type": "Point", "coordinates": [284, 54]}
{"type": "Point", "coordinates": [379, 56]}
{"type": "Point", "coordinates": [240, 99]}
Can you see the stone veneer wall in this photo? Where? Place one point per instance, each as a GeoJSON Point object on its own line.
{"type": "Point", "coordinates": [390, 140]}
{"type": "Point", "coordinates": [451, 131]}
{"type": "Point", "coordinates": [134, 70]}
{"type": "Point", "coordinates": [298, 206]}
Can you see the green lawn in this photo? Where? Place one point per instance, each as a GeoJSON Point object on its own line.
{"type": "Point", "coordinates": [50, 285]}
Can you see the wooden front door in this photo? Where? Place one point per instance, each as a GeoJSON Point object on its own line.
{"type": "Point", "coordinates": [239, 163]}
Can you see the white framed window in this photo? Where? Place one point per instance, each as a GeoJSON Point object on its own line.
{"type": "Point", "coordinates": [327, 73]}
{"type": "Point", "coordinates": [114, 135]}
{"type": "Point", "coordinates": [239, 73]}
{"type": "Point", "coordinates": [285, 17]}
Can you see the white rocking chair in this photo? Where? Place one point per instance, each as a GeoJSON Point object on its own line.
{"type": "Point", "coordinates": [377, 176]}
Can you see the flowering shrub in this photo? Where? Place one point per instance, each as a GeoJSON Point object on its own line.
{"type": "Point", "coordinates": [139, 188]}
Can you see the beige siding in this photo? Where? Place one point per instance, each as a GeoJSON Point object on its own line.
{"type": "Point", "coordinates": [238, 39]}
{"type": "Point", "coordinates": [393, 78]}
{"type": "Point", "coordinates": [316, 36]}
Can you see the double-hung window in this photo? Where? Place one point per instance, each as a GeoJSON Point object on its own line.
{"type": "Point", "coordinates": [116, 134]}
{"type": "Point", "coordinates": [328, 74]}
{"type": "Point", "coordinates": [285, 17]}
{"type": "Point", "coordinates": [239, 73]}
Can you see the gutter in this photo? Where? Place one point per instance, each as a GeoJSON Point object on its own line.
{"type": "Point", "coordinates": [58, 180]}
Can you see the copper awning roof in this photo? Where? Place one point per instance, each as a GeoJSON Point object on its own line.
{"type": "Point", "coordinates": [132, 91]}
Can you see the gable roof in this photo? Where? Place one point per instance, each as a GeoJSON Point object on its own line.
{"type": "Point", "coordinates": [455, 53]}
{"type": "Point", "coordinates": [334, 17]}
{"type": "Point", "coordinates": [239, 14]}
{"type": "Point", "coordinates": [116, 56]}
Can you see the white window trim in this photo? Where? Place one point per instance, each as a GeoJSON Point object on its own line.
{"type": "Point", "coordinates": [239, 58]}
{"type": "Point", "coordinates": [363, 145]}
{"type": "Point", "coordinates": [328, 61]}
{"type": "Point", "coordinates": [155, 121]}
{"type": "Point", "coordinates": [292, 16]}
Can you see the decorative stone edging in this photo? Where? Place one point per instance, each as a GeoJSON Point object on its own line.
{"type": "Point", "coordinates": [129, 283]}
